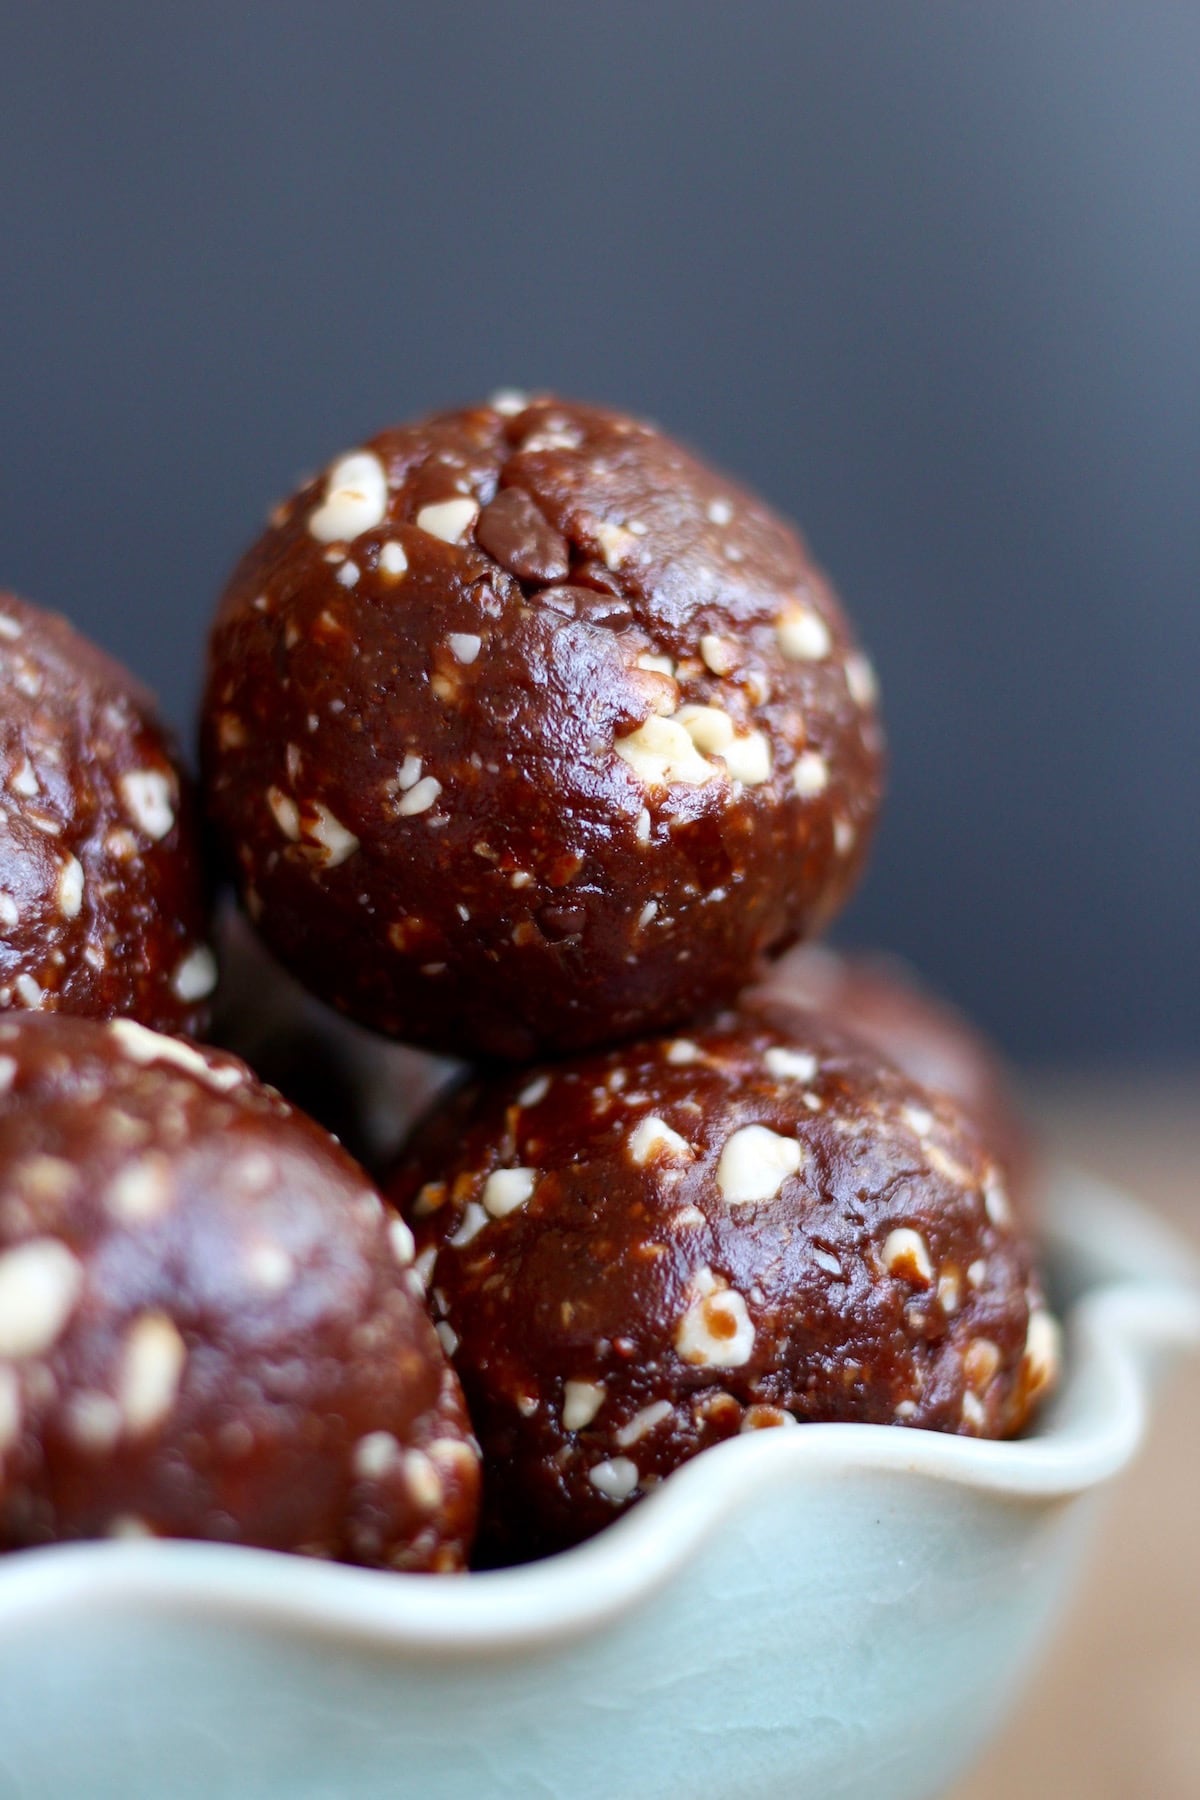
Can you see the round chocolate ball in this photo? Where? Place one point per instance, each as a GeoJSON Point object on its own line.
{"type": "Point", "coordinates": [209, 1326]}
{"type": "Point", "coordinates": [102, 900]}
{"type": "Point", "coordinates": [637, 1254]}
{"type": "Point", "coordinates": [525, 730]}
{"type": "Point", "coordinates": [882, 1001]}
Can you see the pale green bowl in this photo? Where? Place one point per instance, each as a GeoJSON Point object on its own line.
{"type": "Point", "coordinates": [842, 1610]}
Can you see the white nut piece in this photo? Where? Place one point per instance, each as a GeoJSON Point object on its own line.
{"type": "Point", "coordinates": [464, 646]}
{"type": "Point", "coordinates": [803, 635]}
{"type": "Point", "coordinates": [70, 888]}
{"type": "Point", "coordinates": [269, 1267]}
{"type": "Point", "coordinates": [285, 813]}
{"type": "Point", "coordinates": [810, 774]}
{"type": "Point", "coordinates": [949, 1291]}
{"type": "Point", "coordinates": [973, 1411]}
{"type": "Point", "coordinates": [402, 1242]}
{"type": "Point", "coordinates": [660, 753]}
{"type": "Point", "coordinates": [748, 758]}
{"type": "Point", "coordinates": [947, 1165]}
{"type": "Point", "coordinates": [332, 837]}
{"type": "Point", "coordinates": [652, 1139]}
{"type": "Point", "coordinates": [355, 499]}
{"type": "Point", "coordinates": [860, 680]}
{"type": "Point", "coordinates": [906, 1254]}
{"type": "Point", "coordinates": [141, 1190]}
{"type": "Point", "coordinates": [449, 520]}
{"type": "Point", "coordinates": [196, 976]}
{"type": "Point", "coordinates": [582, 1400]}
{"type": "Point", "coordinates": [1043, 1350]}
{"type": "Point", "coordinates": [376, 1455]}
{"type": "Point", "coordinates": [507, 1189]}
{"type": "Point", "coordinates": [141, 1045]}
{"type": "Point", "coordinates": [754, 1164]}
{"type": "Point", "coordinates": [423, 1481]}
{"type": "Point", "coordinates": [148, 798]}
{"type": "Point", "coordinates": [23, 780]}
{"type": "Point", "coordinates": [790, 1065]}
{"type": "Point", "coordinates": [40, 1285]}
{"type": "Point", "coordinates": [615, 543]}
{"type": "Point", "coordinates": [469, 1226]}
{"type": "Point", "coordinates": [717, 654]}
{"type": "Point", "coordinates": [655, 665]}
{"type": "Point", "coordinates": [151, 1370]}
{"type": "Point", "coordinates": [420, 797]}
{"type": "Point", "coordinates": [995, 1200]}
{"type": "Point", "coordinates": [643, 1422]}
{"type": "Point", "coordinates": [767, 1418]}
{"type": "Point", "coordinates": [746, 754]}
{"type": "Point", "coordinates": [715, 1330]}
{"type": "Point", "coordinates": [616, 1478]}
{"type": "Point", "coordinates": [981, 1363]}
{"type": "Point", "coordinates": [709, 727]}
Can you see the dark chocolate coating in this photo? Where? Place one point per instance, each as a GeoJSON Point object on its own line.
{"type": "Point", "coordinates": [882, 1001]}
{"type": "Point", "coordinates": [102, 899]}
{"type": "Point", "coordinates": [209, 1327]}
{"type": "Point", "coordinates": [525, 730]}
{"type": "Point", "coordinates": [643, 1252]}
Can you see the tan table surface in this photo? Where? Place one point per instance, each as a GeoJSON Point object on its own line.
{"type": "Point", "coordinates": [1114, 1713]}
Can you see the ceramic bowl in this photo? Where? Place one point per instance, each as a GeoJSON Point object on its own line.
{"type": "Point", "coordinates": [841, 1610]}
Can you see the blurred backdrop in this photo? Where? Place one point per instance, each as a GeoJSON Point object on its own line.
{"type": "Point", "coordinates": [928, 276]}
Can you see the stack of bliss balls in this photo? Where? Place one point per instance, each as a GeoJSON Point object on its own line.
{"type": "Point", "coordinates": [531, 742]}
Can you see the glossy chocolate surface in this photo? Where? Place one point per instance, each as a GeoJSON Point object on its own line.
{"type": "Point", "coordinates": [525, 730]}
{"type": "Point", "coordinates": [209, 1326]}
{"type": "Point", "coordinates": [102, 896]}
{"type": "Point", "coordinates": [882, 1001]}
{"type": "Point", "coordinates": [635, 1255]}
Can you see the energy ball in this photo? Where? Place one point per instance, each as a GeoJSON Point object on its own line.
{"type": "Point", "coordinates": [209, 1327]}
{"type": "Point", "coordinates": [525, 731]}
{"type": "Point", "coordinates": [637, 1254]}
{"type": "Point", "coordinates": [102, 899]}
{"type": "Point", "coordinates": [881, 1001]}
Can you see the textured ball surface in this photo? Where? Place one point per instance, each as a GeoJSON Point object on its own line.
{"type": "Point", "coordinates": [208, 1326]}
{"type": "Point", "coordinates": [638, 1254]}
{"type": "Point", "coordinates": [881, 1000]}
{"type": "Point", "coordinates": [102, 904]}
{"type": "Point", "coordinates": [525, 730]}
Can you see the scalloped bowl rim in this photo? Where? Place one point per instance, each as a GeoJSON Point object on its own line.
{"type": "Point", "coordinates": [1140, 1306]}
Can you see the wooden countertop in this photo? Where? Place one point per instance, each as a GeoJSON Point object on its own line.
{"type": "Point", "coordinates": [1114, 1713]}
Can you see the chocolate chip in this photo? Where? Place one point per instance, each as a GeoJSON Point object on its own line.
{"type": "Point", "coordinates": [559, 922]}
{"type": "Point", "coordinates": [596, 575]}
{"type": "Point", "coordinates": [513, 531]}
{"type": "Point", "coordinates": [589, 604]}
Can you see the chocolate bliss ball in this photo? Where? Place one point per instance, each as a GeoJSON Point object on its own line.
{"type": "Point", "coordinates": [525, 730]}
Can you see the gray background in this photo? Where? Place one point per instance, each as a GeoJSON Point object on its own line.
{"type": "Point", "coordinates": [928, 275]}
